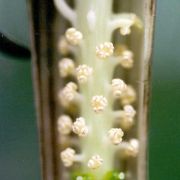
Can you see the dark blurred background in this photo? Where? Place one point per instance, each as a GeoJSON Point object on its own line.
{"type": "Point", "coordinates": [19, 158]}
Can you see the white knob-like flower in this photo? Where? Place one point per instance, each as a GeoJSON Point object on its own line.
{"type": "Point", "coordinates": [118, 87]}
{"type": "Point", "coordinates": [98, 103]}
{"type": "Point", "coordinates": [126, 117]}
{"type": "Point", "coordinates": [68, 157]}
{"type": "Point", "coordinates": [125, 28]}
{"type": "Point", "coordinates": [73, 36]}
{"type": "Point", "coordinates": [104, 50]}
{"type": "Point", "coordinates": [95, 162]}
{"type": "Point", "coordinates": [128, 96]}
{"type": "Point", "coordinates": [64, 124]}
{"type": "Point", "coordinates": [129, 111]}
{"type": "Point", "coordinates": [133, 148]}
{"type": "Point", "coordinates": [66, 67]}
{"type": "Point", "coordinates": [127, 59]}
{"type": "Point", "coordinates": [63, 46]}
{"type": "Point", "coordinates": [79, 127]}
{"type": "Point", "coordinates": [115, 135]}
{"type": "Point", "coordinates": [83, 73]}
{"type": "Point", "coordinates": [68, 93]}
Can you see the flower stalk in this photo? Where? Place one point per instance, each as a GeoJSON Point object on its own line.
{"type": "Point", "coordinates": [92, 34]}
{"type": "Point", "coordinates": [100, 101]}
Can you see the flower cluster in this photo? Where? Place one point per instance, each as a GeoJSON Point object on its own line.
{"type": "Point", "coordinates": [73, 36]}
{"type": "Point", "coordinates": [79, 127]}
{"type": "Point", "coordinates": [83, 73]}
{"type": "Point", "coordinates": [98, 103]}
{"type": "Point", "coordinates": [104, 50]}
{"type": "Point", "coordinates": [103, 91]}
{"type": "Point", "coordinates": [68, 93]}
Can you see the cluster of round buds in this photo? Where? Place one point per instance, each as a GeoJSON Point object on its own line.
{"type": "Point", "coordinates": [126, 60]}
{"type": "Point", "coordinates": [79, 127]}
{"type": "Point", "coordinates": [104, 50]}
{"type": "Point", "coordinates": [68, 93]}
{"type": "Point", "coordinates": [115, 135]}
{"type": "Point", "coordinates": [73, 36]}
{"type": "Point", "coordinates": [68, 157]}
{"type": "Point", "coordinates": [128, 96]}
{"type": "Point", "coordinates": [83, 73]}
{"type": "Point", "coordinates": [95, 162]}
{"type": "Point", "coordinates": [63, 46]}
{"type": "Point", "coordinates": [64, 124]}
{"type": "Point", "coordinates": [66, 67]}
{"type": "Point", "coordinates": [98, 103]}
{"type": "Point", "coordinates": [132, 148]}
{"type": "Point", "coordinates": [118, 87]}
{"type": "Point", "coordinates": [125, 28]}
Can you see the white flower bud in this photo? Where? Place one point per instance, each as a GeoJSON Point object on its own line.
{"type": "Point", "coordinates": [126, 117]}
{"type": "Point", "coordinates": [83, 72]}
{"type": "Point", "coordinates": [66, 67]}
{"type": "Point", "coordinates": [68, 93]}
{"type": "Point", "coordinates": [73, 36]}
{"type": "Point", "coordinates": [95, 162]}
{"type": "Point", "coordinates": [125, 27]}
{"type": "Point", "coordinates": [104, 50]}
{"type": "Point", "coordinates": [63, 46]}
{"type": "Point", "coordinates": [126, 60]}
{"type": "Point", "coordinates": [68, 157]}
{"type": "Point", "coordinates": [129, 111]}
{"type": "Point", "coordinates": [98, 103]}
{"type": "Point", "coordinates": [79, 127]}
{"type": "Point", "coordinates": [118, 87]}
{"type": "Point", "coordinates": [128, 96]}
{"type": "Point", "coordinates": [115, 135]}
{"type": "Point", "coordinates": [64, 124]}
{"type": "Point", "coordinates": [133, 148]}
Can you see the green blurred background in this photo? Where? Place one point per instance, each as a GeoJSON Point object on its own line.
{"type": "Point", "coordinates": [19, 158]}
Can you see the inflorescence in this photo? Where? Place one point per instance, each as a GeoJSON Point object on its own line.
{"type": "Point", "coordinates": [99, 105]}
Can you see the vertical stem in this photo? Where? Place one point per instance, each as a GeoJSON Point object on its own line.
{"type": "Point", "coordinates": [92, 21]}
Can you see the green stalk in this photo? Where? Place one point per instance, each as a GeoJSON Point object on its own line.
{"type": "Point", "coordinates": [95, 33]}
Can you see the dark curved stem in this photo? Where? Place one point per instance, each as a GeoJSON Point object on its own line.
{"type": "Point", "coordinates": [9, 47]}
